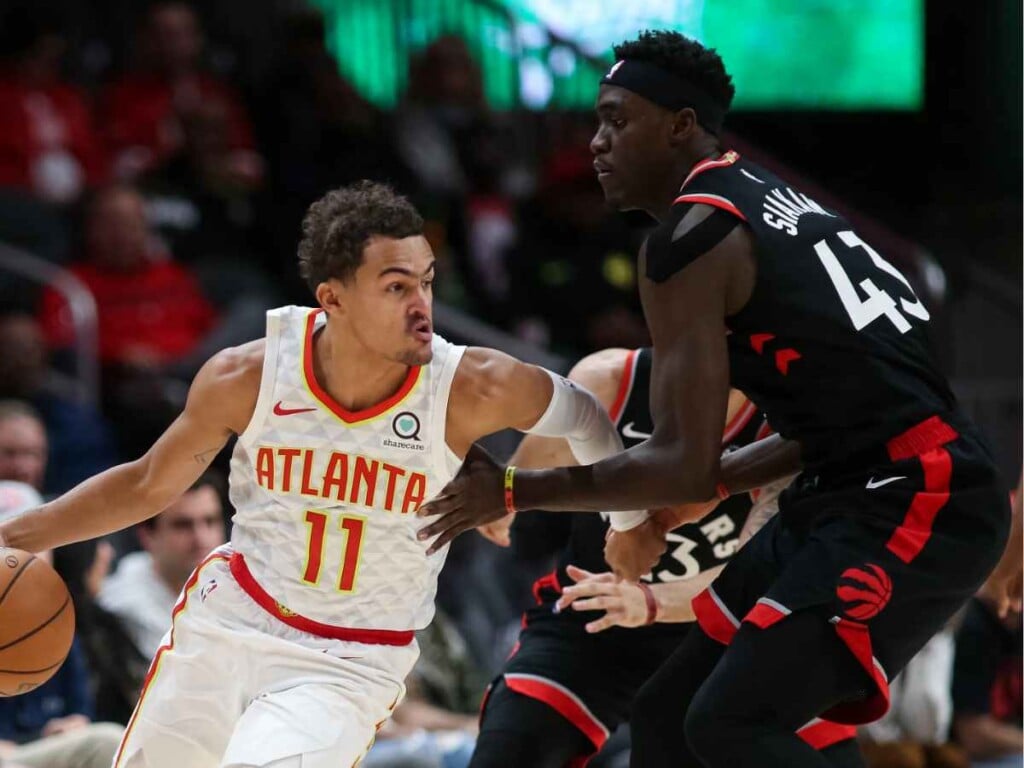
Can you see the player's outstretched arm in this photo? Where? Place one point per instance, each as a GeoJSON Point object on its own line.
{"type": "Point", "coordinates": [492, 391]}
{"type": "Point", "coordinates": [600, 373]}
{"type": "Point", "coordinates": [221, 401]}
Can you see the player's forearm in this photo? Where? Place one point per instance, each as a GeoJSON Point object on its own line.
{"type": "Point", "coordinates": [759, 464]}
{"type": "Point", "coordinates": [643, 477]}
{"type": "Point", "coordinates": [577, 416]}
{"type": "Point", "coordinates": [675, 598]}
{"type": "Point", "coordinates": [108, 502]}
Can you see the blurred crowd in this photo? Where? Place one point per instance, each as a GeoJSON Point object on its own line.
{"type": "Point", "coordinates": [135, 156]}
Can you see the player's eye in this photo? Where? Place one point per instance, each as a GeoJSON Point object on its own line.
{"type": "Point", "coordinates": [395, 288]}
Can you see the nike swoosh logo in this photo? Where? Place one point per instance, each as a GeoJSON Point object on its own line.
{"type": "Point", "coordinates": [628, 431]}
{"type": "Point", "coordinates": [280, 410]}
{"type": "Point", "coordinates": [872, 483]}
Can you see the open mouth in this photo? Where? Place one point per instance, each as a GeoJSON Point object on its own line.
{"type": "Point", "coordinates": [422, 330]}
{"type": "Point", "coordinates": [601, 169]}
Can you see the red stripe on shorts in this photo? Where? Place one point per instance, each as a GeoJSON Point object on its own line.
{"type": "Point", "coordinates": [713, 617]}
{"type": "Point", "coordinates": [913, 533]}
{"type": "Point", "coordinates": [823, 733]}
{"type": "Point", "coordinates": [563, 701]}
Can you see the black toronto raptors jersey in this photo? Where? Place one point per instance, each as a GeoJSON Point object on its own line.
{"type": "Point", "coordinates": [832, 345]}
{"type": "Point", "coordinates": [692, 548]}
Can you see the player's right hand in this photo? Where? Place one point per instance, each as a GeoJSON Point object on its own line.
{"type": "Point", "coordinates": [623, 602]}
{"type": "Point", "coordinates": [474, 497]}
{"type": "Point", "coordinates": [498, 531]}
{"type": "Point", "coordinates": [635, 552]}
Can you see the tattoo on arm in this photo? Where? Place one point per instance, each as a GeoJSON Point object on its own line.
{"type": "Point", "coordinates": [205, 457]}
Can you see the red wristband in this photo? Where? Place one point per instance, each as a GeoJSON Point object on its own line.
{"type": "Point", "coordinates": [722, 491]}
{"type": "Point", "coordinates": [652, 603]}
{"type": "Point", "coordinates": [510, 504]}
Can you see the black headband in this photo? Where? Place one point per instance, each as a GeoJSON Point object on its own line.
{"type": "Point", "coordinates": [666, 90]}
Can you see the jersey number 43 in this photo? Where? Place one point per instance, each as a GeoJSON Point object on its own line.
{"type": "Point", "coordinates": [878, 302]}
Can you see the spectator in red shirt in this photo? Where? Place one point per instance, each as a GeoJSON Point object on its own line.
{"type": "Point", "coordinates": [152, 315]}
{"type": "Point", "coordinates": [143, 110]}
{"type": "Point", "coordinates": [47, 144]}
{"type": "Point", "coordinates": [152, 312]}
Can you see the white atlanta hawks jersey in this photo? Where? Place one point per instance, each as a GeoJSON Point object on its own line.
{"type": "Point", "coordinates": [325, 498]}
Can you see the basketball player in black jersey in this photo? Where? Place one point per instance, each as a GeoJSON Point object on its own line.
{"type": "Point", "coordinates": [573, 674]}
{"type": "Point", "coordinates": [897, 516]}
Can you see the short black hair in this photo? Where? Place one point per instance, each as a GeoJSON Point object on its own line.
{"type": "Point", "coordinates": [338, 225]}
{"type": "Point", "coordinates": [683, 57]}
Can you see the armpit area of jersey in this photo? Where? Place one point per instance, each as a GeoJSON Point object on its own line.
{"type": "Point", "coordinates": [675, 244]}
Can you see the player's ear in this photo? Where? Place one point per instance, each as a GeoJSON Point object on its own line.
{"type": "Point", "coordinates": [329, 296]}
{"type": "Point", "coordinates": [682, 126]}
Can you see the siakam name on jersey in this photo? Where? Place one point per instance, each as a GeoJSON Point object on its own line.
{"type": "Point", "coordinates": [783, 209]}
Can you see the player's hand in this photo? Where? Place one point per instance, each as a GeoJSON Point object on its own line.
{"type": "Point", "coordinates": [1003, 592]}
{"type": "Point", "coordinates": [474, 497]}
{"type": "Point", "coordinates": [623, 602]}
{"type": "Point", "coordinates": [633, 553]}
{"type": "Point", "coordinates": [498, 532]}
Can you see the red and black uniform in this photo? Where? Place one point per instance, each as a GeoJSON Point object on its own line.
{"type": "Point", "coordinates": [563, 691]}
{"type": "Point", "coordinates": [898, 516]}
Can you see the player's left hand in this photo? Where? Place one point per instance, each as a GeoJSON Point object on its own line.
{"type": "Point", "coordinates": [475, 496]}
{"type": "Point", "coordinates": [633, 553]}
{"type": "Point", "coordinates": [623, 602]}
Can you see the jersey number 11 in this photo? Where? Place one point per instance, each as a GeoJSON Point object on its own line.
{"type": "Point", "coordinates": [352, 526]}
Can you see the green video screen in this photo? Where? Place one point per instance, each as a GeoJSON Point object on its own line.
{"type": "Point", "coordinates": [782, 54]}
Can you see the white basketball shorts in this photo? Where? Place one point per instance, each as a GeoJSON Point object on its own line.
{"type": "Point", "coordinates": [233, 686]}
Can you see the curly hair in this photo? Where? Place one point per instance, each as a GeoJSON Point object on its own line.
{"type": "Point", "coordinates": [338, 225]}
{"type": "Point", "coordinates": [684, 58]}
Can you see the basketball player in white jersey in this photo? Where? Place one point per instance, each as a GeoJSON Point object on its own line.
{"type": "Point", "coordinates": [289, 646]}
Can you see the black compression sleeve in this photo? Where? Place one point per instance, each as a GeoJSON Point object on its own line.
{"type": "Point", "coordinates": [668, 250]}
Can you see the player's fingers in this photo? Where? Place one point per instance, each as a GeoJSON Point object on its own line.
{"type": "Point", "coordinates": [572, 594]}
{"type": "Point", "coordinates": [441, 504]}
{"type": "Point", "coordinates": [600, 603]}
{"type": "Point", "coordinates": [609, 620]}
{"type": "Point", "coordinates": [578, 574]}
{"type": "Point", "coordinates": [441, 524]}
{"type": "Point", "coordinates": [600, 625]}
{"type": "Point", "coordinates": [445, 538]}
{"type": "Point", "coordinates": [586, 588]}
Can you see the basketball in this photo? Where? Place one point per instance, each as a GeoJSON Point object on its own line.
{"type": "Point", "coordinates": [37, 622]}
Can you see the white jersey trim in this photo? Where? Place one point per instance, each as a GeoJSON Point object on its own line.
{"type": "Point", "coordinates": [267, 379]}
{"type": "Point", "coordinates": [445, 460]}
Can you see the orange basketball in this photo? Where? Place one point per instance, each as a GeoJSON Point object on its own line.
{"type": "Point", "coordinates": [37, 622]}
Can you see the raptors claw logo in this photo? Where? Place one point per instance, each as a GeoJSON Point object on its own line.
{"type": "Point", "coordinates": [864, 591]}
